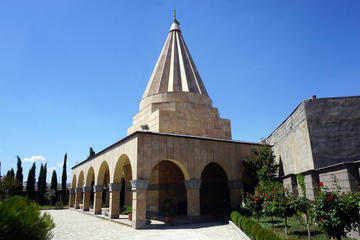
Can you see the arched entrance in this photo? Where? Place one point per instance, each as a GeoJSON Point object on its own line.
{"type": "Point", "coordinates": [214, 192]}
{"type": "Point", "coordinates": [101, 198]}
{"type": "Point", "coordinates": [72, 192]}
{"type": "Point", "coordinates": [89, 189]}
{"type": "Point", "coordinates": [120, 188]}
{"type": "Point", "coordinates": [79, 193]}
{"type": "Point", "coordinates": [166, 193]}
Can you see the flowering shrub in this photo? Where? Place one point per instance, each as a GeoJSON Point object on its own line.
{"type": "Point", "coordinates": [337, 212]}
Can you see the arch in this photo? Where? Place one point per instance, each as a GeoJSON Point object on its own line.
{"type": "Point", "coordinates": [224, 167]}
{"type": "Point", "coordinates": [90, 176]}
{"type": "Point", "coordinates": [73, 182]}
{"type": "Point", "coordinates": [166, 188]}
{"type": "Point", "coordinates": [104, 167]}
{"type": "Point", "coordinates": [120, 170]}
{"type": "Point", "coordinates": [214, 191]}
{"type": "Point", "coordinates": [81, 179]}
{"type": "Point", "coordinates": [179, 164]}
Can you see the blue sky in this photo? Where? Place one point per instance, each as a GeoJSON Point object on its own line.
{"type": "Point", "coordinates": [72, 73]}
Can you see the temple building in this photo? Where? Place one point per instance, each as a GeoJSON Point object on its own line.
{"type": "Point", "coordinates": [321, 140]}
{"type": "Point", "coordinates": [178, 151]}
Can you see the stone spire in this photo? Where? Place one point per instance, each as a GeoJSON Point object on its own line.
{"type": "Point", "coordinates": [175, 100]}
{"type": "Point", "coordinates": [175, 70]}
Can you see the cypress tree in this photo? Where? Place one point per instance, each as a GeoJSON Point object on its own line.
{"type": "Point", "coordinates": [63, 181]}
{"type": "Point", "coordinates": [30, 185]}
{"type": "Point", "coordinates": [43, 182]}
{"type": "Point", "coordinates": [92, 152]}
{"type": "Point", "coordinates": [40, 185]}
{"type": "Point", "coordinates": [12, 173]}
{"type": "Point", "coordinates": [53, 185]}
{"type": "Point", "coordinates": [19, 175]}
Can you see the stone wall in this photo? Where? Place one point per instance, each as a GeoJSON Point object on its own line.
{"type": "Point", "coordinates": [291, 143]}
{"type": "Point", "coordinates": [344, 175]}
{"type": "Point", "coordinates": [334, 127]}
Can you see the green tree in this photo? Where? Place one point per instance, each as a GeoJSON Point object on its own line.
{"type": "Point", "coordinates": [63, 181]}
{"type": "Point", "coordinates": [53, 186]}
{"type": "Point", "coordinates": [10, 173]}
{"type": "Point", "coordinates": [92, 152]}
{"type": "Point", "coordinates": [49, 196]}
{"type": "Point", "coordinates": [262, 165]}
{"type": "Point", "coordinates": [42, 184]}
{"type": "Point", "coordinates": [19, 175]}
{"type": "Point", "coordinates": [8, 187]}
{"type": "Point", "coordinates": [30, 185]}
{"type": "Point", "coordinates": [21, 219]}
{"type": "Point", "coordinates": [282, 204]}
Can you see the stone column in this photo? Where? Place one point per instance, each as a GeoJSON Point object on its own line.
{"type": "Point", "coordinates": [98, 191]}
{"type": "Point", "coordinates": [72, 197]}
{"type": "Point", "coordinates": [235, 192]}
{"type": "Point", "coordinates": [86, 200]}
{"type": "Point", "coordinates": [193, 197]}
{"type": "Point", "coordinates": [139, 188]}
{"type": "Point", "coordinates": [290, 184]}
{"type": "Point", "coordinates": [311, 180]}
{"type": "Point", "coordinates": [114, 189]}
{"type": "Point", "coordinates": [78, 192]}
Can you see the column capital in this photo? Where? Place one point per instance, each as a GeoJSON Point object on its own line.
{"type": "Point", "coordinates": [192, 183]}
{"type": "Point", "coordinates": [139, 184]}
{"type": "Point", "coordinates": [87, 189]}
{"type": "Point", "coordinates": [78, 190]}
{"type": "Point", "coordinates": [235, 184]}
{"type": "Point", "coordinates": [72, 190]}
{"type": "Point", "coordinates": [115, 187]}
{"type": "Point", "coordinates": [98, 188]}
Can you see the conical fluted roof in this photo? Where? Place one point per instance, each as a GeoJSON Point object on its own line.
{"type": "Point", "coordinates": [175, 70]}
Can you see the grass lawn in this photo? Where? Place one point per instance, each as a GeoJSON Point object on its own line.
{"type": "Point", "coordinates": [48, 207]}
{"type": "Point", "coordinates": [296, 229]}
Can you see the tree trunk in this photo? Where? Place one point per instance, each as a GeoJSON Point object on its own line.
{"type": "Point", "coordinates": [286, 232]}
{"type": "Point", "coordinates": [308, 225]}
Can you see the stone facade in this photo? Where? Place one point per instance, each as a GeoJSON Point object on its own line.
{"type": "Point", "coordinates": [320, 139]}
{"type": "Point", "coordinates": [181, 116]}
{"type": "Point", "coordinates": [152, 182]}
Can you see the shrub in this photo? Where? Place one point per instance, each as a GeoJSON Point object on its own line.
{"type": "Point", "coordinates": [21, 219]}
{"type": "Point", "coordinates": [337, 212]}
{"type": "Point", "coordinates": [128, 210]}
{"type": "Point", "coordinates": [252, 228]}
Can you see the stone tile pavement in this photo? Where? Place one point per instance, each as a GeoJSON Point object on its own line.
{"type": "Point", "coordinates": [77, 226]}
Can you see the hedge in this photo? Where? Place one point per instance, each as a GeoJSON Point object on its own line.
{"type": "Point", "coordinates": [252, 228]}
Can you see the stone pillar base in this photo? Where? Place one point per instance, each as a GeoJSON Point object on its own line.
{"type": "Point", "coordinates": [193, 197]}
{"type": "Point", "coordinates": [138, 224]}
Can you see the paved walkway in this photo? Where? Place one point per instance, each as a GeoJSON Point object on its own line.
{"type": "Point", "coordinates": [76, 225]}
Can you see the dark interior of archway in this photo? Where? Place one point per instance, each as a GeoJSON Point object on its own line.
{"type": "Point", "coordinates": [105, 195]}
{"type": "Point", "coordinates": [214, 192]}
{"type": "Point", "coordinates": [167, 189]}
{"type": "Point", "coordinates": [122, 193]}
{"type": "Point", "coordinates": [92, 192]}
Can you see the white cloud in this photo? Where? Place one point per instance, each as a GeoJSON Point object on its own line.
{"type": "Point", "coordinates": [34, 159]}
{"type": "Point", "coordinates": [60, 164]}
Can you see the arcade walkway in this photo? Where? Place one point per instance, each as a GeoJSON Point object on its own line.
{"type": "Point", "coordinates": [76, 225]}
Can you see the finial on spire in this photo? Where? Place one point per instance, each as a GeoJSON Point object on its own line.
{"type": "Point", "coordinates": [175, 20]}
